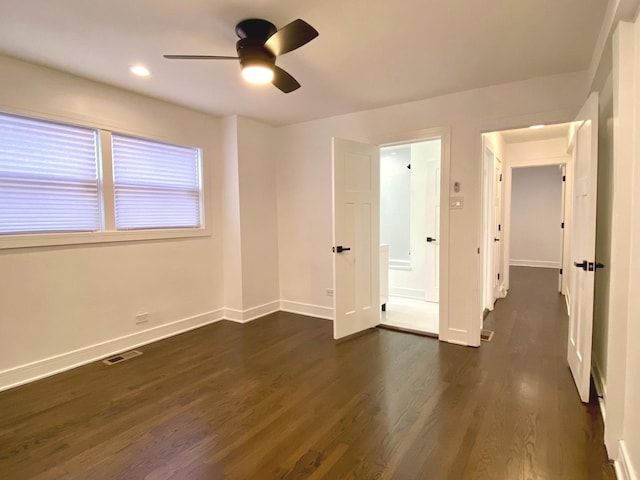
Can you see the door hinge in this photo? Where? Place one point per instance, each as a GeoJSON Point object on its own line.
{"type": "Point", "coordinates": [498, 276]}
{"type": "Point", "coordinates": [499, 227]}
{"type": "Point", "coordinates": [560, 271]}
{"type": "Point", "coordinates": [562, 225]}
{"type": "Point", "coordinates": [564, 178]}
{"type": "Point", "coordinates": [500, 177]}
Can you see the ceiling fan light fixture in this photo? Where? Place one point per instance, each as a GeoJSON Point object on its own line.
{"type": "Point", "coordinates": [258, 74]}
{"type": "Point", "coordinates": [139, 70]}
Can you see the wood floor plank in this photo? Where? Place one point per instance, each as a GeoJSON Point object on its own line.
{"type": "Point", "coordinates": [279, 399]}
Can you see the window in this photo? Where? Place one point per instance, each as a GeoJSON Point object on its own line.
{"type": "Point", "coordinates": [56, 188]}
{"type": "Point", "coordinates": [48, 177]}
{"type": "Point", "coordinates": [155, 185]}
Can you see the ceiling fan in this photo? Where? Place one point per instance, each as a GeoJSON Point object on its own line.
{"type": "Point", "coordinates": [259, 45]}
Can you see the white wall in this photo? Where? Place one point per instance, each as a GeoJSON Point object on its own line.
{"type": "Point", "coordinates": [631, 433]}
{"type": "Point", "coordinates": [231, 231]}
{"type": "Point", "coordinates": [536, 215]}
{"type": "Point", "coordinates": [250, 220]}
{"type": "Point", "coordinates": [622, 394]}
{"type": "Point", "coordinates": [305, 184]}
{"type": "Point", "coordinates": [258, 214]}
{"type": "Point", "coordinates": [604, 217]}
{"type": "Point", "coordinates": [395, 203]}
{"type": "Point", "coordinates": [58, 301]}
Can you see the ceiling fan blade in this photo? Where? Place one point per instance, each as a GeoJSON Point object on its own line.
{"type": "Point", "coordinates": [199, 57]}
{"type": "Point", "coordinates": [283, 81]}
{"type": "Point", "coordinates": [290, 37]}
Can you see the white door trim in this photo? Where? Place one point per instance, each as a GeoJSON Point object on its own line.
{"type": "Point", "coordinates": [483, 126]}
{"type": "Point", "coordinates": [537, 162]}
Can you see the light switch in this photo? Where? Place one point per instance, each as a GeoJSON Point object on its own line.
{"type": "Point", "coordinates": [456, 203]}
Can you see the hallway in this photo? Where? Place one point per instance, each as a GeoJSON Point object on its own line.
{"type": "Point", "coordinates": [535, 419]}
{"type": "Point", "coordinates": [278, 398]}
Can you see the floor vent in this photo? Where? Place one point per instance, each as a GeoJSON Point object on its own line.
{"type": "Point", "coordinates": [121, 357]}
{"type": "Point", "coordinates": [486, 335]}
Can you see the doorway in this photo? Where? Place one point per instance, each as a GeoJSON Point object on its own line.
{"type": "Point", "coordinates": [526, 205]}
{"type": "Point", "coordinates": [410, 235]}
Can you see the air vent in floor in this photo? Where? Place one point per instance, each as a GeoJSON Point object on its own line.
{"type": "Point", "coordinates": [121, 357]}
{"type": "Point", "coordinates": [486, 335]}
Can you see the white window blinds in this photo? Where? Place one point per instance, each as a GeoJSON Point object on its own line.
{"type": "Point", "coordinates": [156, 185]}
{"type": "Point", "coordinates": [48, 177]}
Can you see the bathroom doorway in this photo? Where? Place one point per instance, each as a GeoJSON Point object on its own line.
{"type": "Point", "coordinates": [409, 235]}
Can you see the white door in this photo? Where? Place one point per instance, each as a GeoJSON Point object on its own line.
{"type": "Point", "coordinates": [563, 209]}
{"type": "Point", "coordinates": [487, 232]}
{"type": "Point", "coordinates": [497, 229]}
{"type": "Point", "coordinates": [583, 242]}
{"type": "Point", "coordinates": [432, 228]}
{"type": "Point", "coordinates": [356, 234]}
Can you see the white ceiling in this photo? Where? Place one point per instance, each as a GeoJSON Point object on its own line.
{"type": "Point", "coordinates": [370, 53]}
{"type": "Point", "coordinates": [548, 132]}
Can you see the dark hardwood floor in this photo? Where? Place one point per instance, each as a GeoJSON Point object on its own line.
{"type": "Point", "coordinates": [278, 398]}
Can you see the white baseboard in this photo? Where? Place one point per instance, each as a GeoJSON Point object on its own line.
{"type": "Point", "coordinates": [403, 292]}
{"type": "Point", "coordinates": [50, 366]}
{"type": "Point", "coordinates": [245, 316]}
{"type": "Point", "coordinates": [307, 309]}
{"type": "Point", "coordinates": [625, 470]}
{"type": "Point", "coordinates": [533, 263]}
{"type": "Point", "coordinates": [455, 335]}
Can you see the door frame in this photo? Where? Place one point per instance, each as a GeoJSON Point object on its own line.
{"type": "Point", "coordinates": [565, 261]}
{"type": "Point", "coordinates": [444, 133]}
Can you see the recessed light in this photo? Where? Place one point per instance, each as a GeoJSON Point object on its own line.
{"type": "Point", "coordinates": [139, 70]}
{"type": "Point", "coordinates": [393, 153]}
{"type": "Point", "coordinates": [536, 127]}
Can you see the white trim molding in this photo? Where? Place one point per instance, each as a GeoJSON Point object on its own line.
{"type": "Point", "coordinates": [307, 309]}
{"type": "Point", "coordinates": [30, 372]}
{"type": "Point", "coordinates": [253, 313]}
{"type": "Point", "coordinates": [623, 466]}
{"type": "Point", "coordinates": [533, 263]}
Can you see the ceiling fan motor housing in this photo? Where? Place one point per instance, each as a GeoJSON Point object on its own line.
{"type": "Point", "coordinates": [255, 28]}
{"type": "Point", "coordinates": [252, 51]}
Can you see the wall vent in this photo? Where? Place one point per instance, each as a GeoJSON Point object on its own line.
{"type": "Point", "coordinates": [121, 357]}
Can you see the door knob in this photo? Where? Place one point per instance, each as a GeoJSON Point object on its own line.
{"type": "Point", "coordinates": [496, 239]}
{"type": "Point", "coordinates": [582, 265]}
{"type": "Point", "coordinates": [340, 249]}
{"type": "Point", "coordinates": [431, 239]}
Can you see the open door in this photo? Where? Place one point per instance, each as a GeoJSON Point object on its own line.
{"type": "Point", "coordinates": [583, 245]}
{"type": "Point", "coordinates": [356, 237]}
{"type": "Point", "coordinates": [563, 213]}
{"type": "Point", "coordinates": [497, 260]}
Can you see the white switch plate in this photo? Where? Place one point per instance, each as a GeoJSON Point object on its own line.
{"type": "Point", "coordinates": [456, 203]}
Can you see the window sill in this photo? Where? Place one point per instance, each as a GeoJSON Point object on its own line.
{"type": "Point", "coordinates": [80, 238]}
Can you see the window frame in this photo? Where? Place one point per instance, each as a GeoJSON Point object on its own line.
{"type": "Point", "coordinates": [104, 166]}
{"type": "Point", "coordinates": [198, 159]}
